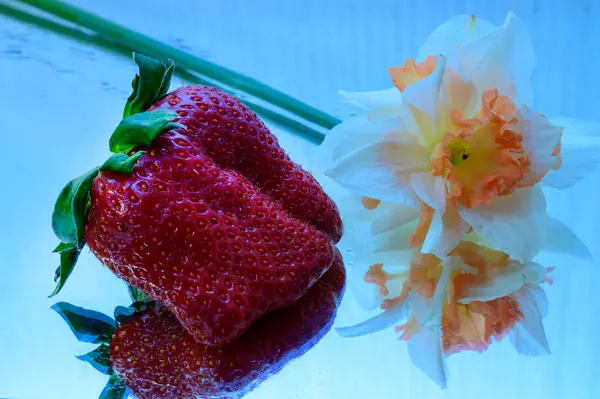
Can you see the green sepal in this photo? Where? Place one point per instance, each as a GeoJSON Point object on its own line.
{"type": "Point", "coordinates": [68, 259]}
{"type": "Point", "coordinates": [152, 83]}
{"type": "Point", "coordinates": [62, 246]}
{"type": "Point", "coordinates": [87, 325]}
{"type": "Point", "coordinates": [123, 314]}
{"type": "Point", "coordinates": [114, 389]}
{"type": "Point", "coordinates": [99, 358]}
{"type": "Point", "coordinates": [137, 295]}
{"type": "Point", "coordinates": [141, 129]}
{"type": "Point", "coordinates": [68, 218]}
{"type": "Point", "coordinates": [121, 163]}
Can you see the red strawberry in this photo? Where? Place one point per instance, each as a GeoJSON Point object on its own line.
{"type": "Point", "coordinates": [155, 357]}
{"type": "Point", "coordinates": [214, 221]}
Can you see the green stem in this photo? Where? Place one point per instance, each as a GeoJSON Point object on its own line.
{"type": "Point", "coordinates": [144, 44]}
{"type": "Point", "coordinates": [118, 49]}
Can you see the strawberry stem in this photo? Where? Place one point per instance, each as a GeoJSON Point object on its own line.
{"type": "Point", "coordinates": [136, 41]}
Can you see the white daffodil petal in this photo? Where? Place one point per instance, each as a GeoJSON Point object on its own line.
{"type": "Point", "coordinates": [367, 296]}
{"type": "Point", "coordinates": [503, 59]}
{"type": "Point", "coordinates": [380, 322]}
{"type": "Point", "coordinates": [528, 335]}
{"type": "Point", "coordinates": [423, 100]}
{"type": "Point", "coordinates": [377, 104]}
{"type": "Point", "coordinates": [580, 152]}
{"type": "Point", "coordinates": [351, 135]}
{"type": "Point", "coordinates": [388, 216]}
{"type": "Point", "coordinates": [514, 223]}
{"type": "Point", "coordinates": [455, 32]}
{"type": "Point", "coordinates": [396, 239]}
{"type": "Point", "coordinates": [426, 352]}
{"type": "Point", "coordinates": [561, 240]}
{"type": "Point", "coordinates": [540, 138]}
{"type": "Point", "coordinates": [510, 279]}
{"type": "Point", "coordinates": [380, 170]}
{"type": "Point", "coordinates": [447, 227]}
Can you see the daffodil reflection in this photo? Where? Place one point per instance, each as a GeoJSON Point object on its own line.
{"type": "Point", "coordinates": [442, 305]}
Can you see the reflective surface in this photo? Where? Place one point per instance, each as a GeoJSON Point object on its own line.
{"type": "Point", "coordinates": [61, 99]}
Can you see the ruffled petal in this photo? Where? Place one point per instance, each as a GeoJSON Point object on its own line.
{"type": "Point", "coordinates": [447, 227]}
{"type": "Point", "coordinates": [455, 32]}
{"type": "Point", "coordinates": [380, 322]}
{"type": "Point", "coordinates": [561, 240]}
{"type": "Point", "coordinates": [528, 336]}
{"type": "Point", "coordinates": [580, 152]}
{"type": "Point", "coordinates": [540, 138]}
{"type": "Point", "coordinates": [514, 223]}
{"type": "Point", "coordinates": [510, 279]}
{"type": "Point", "coordinates": [377, 104]}
{"type": "Point", "coordinates": [381, 170]}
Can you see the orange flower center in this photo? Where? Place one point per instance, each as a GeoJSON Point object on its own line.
{"type": "Point", "coordinates": [484, 158]}
{"type": "Point", "coordinates": [464, 326]}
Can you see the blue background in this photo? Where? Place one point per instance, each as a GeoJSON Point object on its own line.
{"type": "Point", "coordinates": [60, 100]}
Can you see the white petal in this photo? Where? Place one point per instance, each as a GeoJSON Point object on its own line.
{"type": "Point", "coordinates": [423, 100]}
{"type": "Point", "coordinates": [580, 152]}
{"type": "Point", "coordinates": [380, 170]}
{"type": "Point", "coordinates": [540, 138]}
{"type": "Point", "coordinates": [449, 265]}
{"type": "Point", "coordinates": [447, 227]}
{"type": "Point", "coordinates": [349, 136]}
{"type": "Point", "coordinates": [504, 59]}
{"type": "Point", "coordinates": [509, 280]}
{"type": "Point", "coordinates": [377, 104]}
{"type": "Point", "coordinates": [514, 223]}
{"type": "Point", "coordinates": [455, 32]}
{"type": "Point", "coordinates": [528, 336]}
{"type": "Point", "coordinates": [380, 322]}
{"type": "Point", "coordinates": [426, 352]}
{"type": "Point", "coordinates": [561, 240]}
{"type": "Point", "coordinates": [388, 216]}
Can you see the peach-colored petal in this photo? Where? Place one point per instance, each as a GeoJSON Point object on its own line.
{"type": "Point", "coordinates": [411, 72]}
{"type": "Point", "coordinates": [484, 159]}
{"type": "Point", "coordinates": [541, 142]}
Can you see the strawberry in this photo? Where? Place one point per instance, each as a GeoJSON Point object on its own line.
{"type": "Point", "coordinates": [200, 209]}
{"type": "Point", "coordinates": [152, 355]}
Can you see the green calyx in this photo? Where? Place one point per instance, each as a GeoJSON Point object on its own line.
{"type": "Point", "coordinates": [139, 128]}
{"type": "Point", "coordinates": [150, 84]}
{"type": "Point", "coordinates": [68, 222]}
{"type": "Point", "coordinates": [114, 389]}
{"type": "Point", "coordinates": [94, 327]}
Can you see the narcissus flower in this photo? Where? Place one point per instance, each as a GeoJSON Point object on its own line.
{"type": "Point", "coordinates": [456, 138]}
{"type": "Point", "coordinates": [442, 306]}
